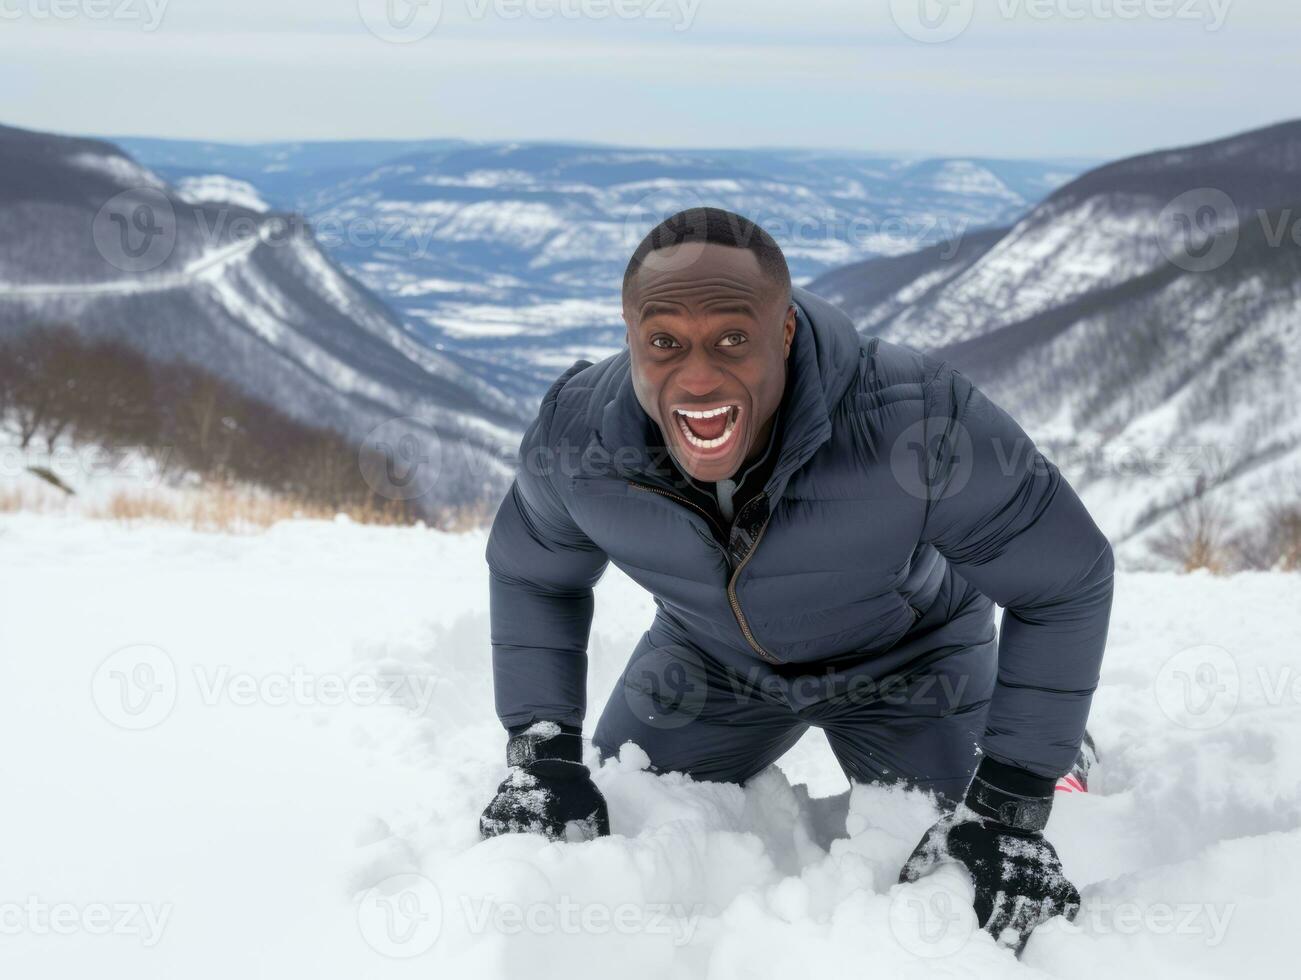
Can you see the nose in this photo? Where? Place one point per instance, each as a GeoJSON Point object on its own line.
{"type": "Point", "coordinates": [700, 375]}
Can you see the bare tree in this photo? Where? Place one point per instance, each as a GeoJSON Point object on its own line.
{"type": "Point", "coordinates": [33, 389]}
{"type": "Point", "coordinates": [1274, 542]}
{"type": "Point", "coordinates": [56, 385]}
{"type": "Point", "coordinates": [1201, 534]}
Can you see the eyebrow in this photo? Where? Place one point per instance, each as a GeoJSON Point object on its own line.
{"type": "Point", "coordinates": [657, 308]}
{"type": "Point", "coordinates": [731, 306]}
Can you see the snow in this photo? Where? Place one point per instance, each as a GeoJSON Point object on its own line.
{"type": "Point", "coordinates": [479, 319]}
{"type": "Point", "coordinates": [967, 177]}
{"type": "Point", "coordinates": [210, 264]}
{"type": "Point", "coordinates": [265, 755]}
{"type": "Point", "coordinates": [119, 168]}
{"type": "Point", "coordinates": [219, 189]}
{"type": "Point", "coordinates": [1045, 260]}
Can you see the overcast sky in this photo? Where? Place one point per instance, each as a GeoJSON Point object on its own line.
{"type": "Point", "coordinates": [1022, 78]}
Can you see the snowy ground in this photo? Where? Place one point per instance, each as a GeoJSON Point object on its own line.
{"type": "Point", "coordinates": [264, 756]}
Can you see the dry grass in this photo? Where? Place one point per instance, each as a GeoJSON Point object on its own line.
{"type": "Point", "coordinates": [468, 518]}
{"type": "Point", "coordinates": [14, 499]}
{"type": "Point", "coordinates": [1275, 542]}
{"type": "Point", "coordinates": [225, 508]}
{"type": "Point", "coordinates": [228, 509]}
{"type": "Point", "coordinates": [1199, 536]}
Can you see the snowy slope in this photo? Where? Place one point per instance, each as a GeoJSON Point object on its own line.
{"type": "Point", "coordinates": [1141, 322]}
{"type": "Point", "coordinates": [97, 241]}
{"type": "Point", "coordinates": [511, 253]}
{"type": "Point", "coordinates": [285, 781]}
{"type": "Point", "coordinates": [217, 189]}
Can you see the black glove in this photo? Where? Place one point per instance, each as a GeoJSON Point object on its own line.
{"type": "Point", "coordinates": [995, 835]}
{"type": "Point", "coordinates": [549, 790]}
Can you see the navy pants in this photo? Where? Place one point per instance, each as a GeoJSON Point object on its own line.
{"type": "Point", "coordinates": [920, 725]}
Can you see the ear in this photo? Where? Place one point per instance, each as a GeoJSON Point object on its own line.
{"type": "Point", "coordinates": [788, 332]}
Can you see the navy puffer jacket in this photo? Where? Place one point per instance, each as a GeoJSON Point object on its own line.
{"type": "Point", "coordinates": [899, 492]}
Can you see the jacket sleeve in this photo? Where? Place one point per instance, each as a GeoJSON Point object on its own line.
{"type": "Point", "coordinates": [542, 568]}
{"type": "Point", "coordinates": [1011, 526]}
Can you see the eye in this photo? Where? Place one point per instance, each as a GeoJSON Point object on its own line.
{"type": "Point", "coordinates": [733, 339]}
{"type": "Point", "coordinates": [663, 342]}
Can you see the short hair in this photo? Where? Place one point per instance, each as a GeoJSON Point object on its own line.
{"type": "Point", "coordinates": [718, 227]}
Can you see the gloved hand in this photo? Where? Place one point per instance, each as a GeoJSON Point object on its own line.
{"type": "Point", "coordinates": [995, 835]}
{"type": "Point", "coordinates": [549, 790]}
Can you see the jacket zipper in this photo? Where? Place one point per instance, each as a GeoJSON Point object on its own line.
{"type": "Point", "coordinates": [733, 601]}
{"type": "Point", "coordinates": [736, 603]}
{"type": "Point", "coordinates": [682, 500]}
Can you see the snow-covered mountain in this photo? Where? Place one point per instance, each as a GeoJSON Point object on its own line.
{"type": "Point", "coordinates": [1144, 321]}
{"type": "Point", "coordinates": [210, 275]}
{"type": "Point", "coordinates": [510, 254]}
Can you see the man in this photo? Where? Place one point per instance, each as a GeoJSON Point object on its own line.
{"type": "Point", "coordinates": [826, 522]}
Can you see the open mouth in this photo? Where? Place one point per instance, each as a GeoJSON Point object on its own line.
{"type": "Point", "coordinates": [707, 428]}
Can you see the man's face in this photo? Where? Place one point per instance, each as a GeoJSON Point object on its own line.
{"type": "Point", "coordinates": [708, 338]}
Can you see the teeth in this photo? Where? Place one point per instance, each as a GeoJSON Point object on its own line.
{"type": "Point", "coordinates": [708, 413]}
{"type": "Point", "coordinates": [699, 443]}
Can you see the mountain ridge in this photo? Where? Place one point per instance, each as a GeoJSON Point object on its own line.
{"type": "Point", "coordinates": [99, 242]}
{"type": "Point", "coordinates": [1148, 309]}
